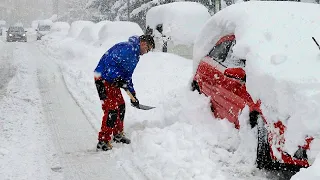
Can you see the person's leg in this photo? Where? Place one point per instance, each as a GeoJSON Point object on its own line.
{"type": "Point", "coordinates": [118, 130]}
{"type": "Point", "coordinates": [110, 111]}
{"type": "Point", "coordinates": [119, 123]}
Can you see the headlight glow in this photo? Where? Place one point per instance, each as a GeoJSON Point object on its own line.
{"type": "Point", "coordinates": [10, 34]}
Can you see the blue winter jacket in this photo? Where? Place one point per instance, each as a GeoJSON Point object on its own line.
{"type": "Point", "coordinates": [120, 61]}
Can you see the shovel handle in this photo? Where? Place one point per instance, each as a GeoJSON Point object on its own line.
{"type": "Point", "coordinates": [131, 96]}
{"type": "Point", "coordinates": [316, 42]}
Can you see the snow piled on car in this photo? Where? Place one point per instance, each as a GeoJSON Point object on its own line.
{"type": "Point", "coordinates": [60, 27]}
{"type": "Point", "coordinates": [117, 31]}
{"type": "Point", "coordinates": [282, 60]}
{"type": "Point", "coordinates": [77, 26]}
{"type": "Point", "coordinates": [181, 21]}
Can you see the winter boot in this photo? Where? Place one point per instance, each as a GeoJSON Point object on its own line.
{"type": "Point", "coordinates": [104, 146]}
{"type": "Point", "coordinates": [121, 138]}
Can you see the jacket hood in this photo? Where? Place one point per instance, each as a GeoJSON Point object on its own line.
{"type": "Point", "coordinates": [134, 40]}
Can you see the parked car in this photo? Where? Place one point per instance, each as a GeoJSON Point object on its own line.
{"type": "Point", "coordinates": [16, 33]}
{"type": "Point", "coordinates": [175, 26]}
{"type": "Point", "coordinates": [221, 73]}
{"type": "Point", "coordinates": [43, 28]}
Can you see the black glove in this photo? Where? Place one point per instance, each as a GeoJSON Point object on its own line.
{"type": "Point", "coordinates": [135, 103]}
{"type": "Point", "coordinates": [120, 84]}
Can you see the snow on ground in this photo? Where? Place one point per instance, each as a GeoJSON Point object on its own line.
{"type": "Point", "coordinates": [282, 61]}
{"type": "Point", "coordinates": [26, 150]}
{"type": "Point", "coordinates": [311, 173]}
{"type": "Point", "coordinates": [179, 139]}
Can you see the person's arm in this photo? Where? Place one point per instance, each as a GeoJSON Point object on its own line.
{"type": "Point", "coordinates": [128, 64]}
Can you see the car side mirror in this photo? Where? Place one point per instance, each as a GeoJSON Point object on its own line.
{"type": "Point", "coordinates": [236, 73]}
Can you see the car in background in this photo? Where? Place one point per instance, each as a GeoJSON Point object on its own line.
{"type": "Point", "coordinates": [175, 25]}
{"type": "Point", "coordinates": [43, 28]}
{"type": "Point", "coordinates": [16, 33]}
{"type": "Point", "coordinates": [221, 73]}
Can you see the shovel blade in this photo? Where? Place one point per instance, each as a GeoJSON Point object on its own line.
{"type": "Point", "coordinates": [145, 107]}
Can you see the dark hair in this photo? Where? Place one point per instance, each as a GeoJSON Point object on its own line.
{"type": "Point", "coordinates": [148, 39]}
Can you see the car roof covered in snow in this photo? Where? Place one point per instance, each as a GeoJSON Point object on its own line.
{"type": "Point", "coordinates": [283, 61]}
{"type": "Point", "coordinates": [279, 37]}
{"type": "Point", "coordinates": [181, 20]}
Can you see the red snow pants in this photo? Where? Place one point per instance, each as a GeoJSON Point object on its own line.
{"type": "Point", "coordinates": [113, 107]}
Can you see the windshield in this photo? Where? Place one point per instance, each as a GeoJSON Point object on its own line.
{"type": "Point", "coordinates": [44, 28]}
{"type": "Point", "coordinates": [16, 29]}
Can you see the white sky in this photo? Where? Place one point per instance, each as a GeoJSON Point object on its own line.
{"type": "Point", "coordinates": [25, 11]}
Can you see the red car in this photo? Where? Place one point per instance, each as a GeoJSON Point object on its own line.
{"type": "Point", "coordinates": [222, 77]}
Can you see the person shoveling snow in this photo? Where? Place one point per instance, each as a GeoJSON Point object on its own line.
{"type": "Point", "coordinates": [114, 71]}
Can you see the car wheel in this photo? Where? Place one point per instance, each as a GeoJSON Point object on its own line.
{"type": "Point", "coordinates": [195, 86]}
{"type": "Point", "coordinates": [264, 160]}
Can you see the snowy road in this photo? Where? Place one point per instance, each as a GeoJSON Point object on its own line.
{"type": "Point", "coordinates": [46, 129]}
{"type": "Point", "coordinates": [7, 70]}
{"type": "Point", "coordinates": [72, 154]}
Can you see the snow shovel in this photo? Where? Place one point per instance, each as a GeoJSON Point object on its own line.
{"type": "Point", "coordinates": [142, 107]}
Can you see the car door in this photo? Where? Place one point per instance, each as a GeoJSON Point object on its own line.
{"type": "Point", "coordinates": [214, 75]}
{"type": "Point", "coordinates": [232, 95]}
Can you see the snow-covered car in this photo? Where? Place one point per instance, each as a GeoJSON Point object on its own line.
{"type": "Point", "coordinates": [16, 33]}
{"type": "Point", "coordinates": [175, 26]}
{"type": "Point", "coordinates": [43, 28]}
{"type": "Point", "coordinates": [249, 56]}
{"type": "Point", "coordinates": [116, 31]}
